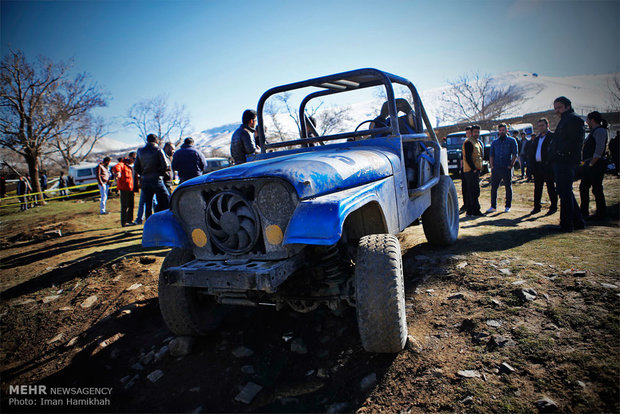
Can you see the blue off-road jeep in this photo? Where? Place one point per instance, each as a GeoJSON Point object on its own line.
{"type": "Point", "coordinates": [310, 220]}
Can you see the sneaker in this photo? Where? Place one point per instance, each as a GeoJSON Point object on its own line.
{"type": "Point", "coordinates": [491, 210]}
{"type": "Point", "coordinates": [462, 210]}
{"type": "Point", "coordinates": [507, 210]}
{"type": "Point", "coordinates": [103, 213]}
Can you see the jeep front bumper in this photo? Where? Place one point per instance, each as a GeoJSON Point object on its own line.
{"type": "Point", "coordinates": [234, 275]}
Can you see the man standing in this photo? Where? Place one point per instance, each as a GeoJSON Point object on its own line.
{"type": "Point", "coordinates": [62, 183]}
{"type": "Point", "coordinates": [103, 178]}
{"type": "Point", "coordinates": [43, 182]}
{"type": "Point", "coordinates": [472, 164]}
{"type": "Point", "coordinates": [502, 158]}
{"type": "Point", "coordinates": [124, 183]}
{"type": "Point", "coordinates": [543, 174]}
{"type": "Point", "coordinates": [242, 142]}
{"type": "Point", "coordinates": [463, 208]}
{"type": "Point", "coordinates": [188, 161]}
{"type": "Point", "coordinates": [565, 155]}
{"type": "Point", "coordinates": [169, 176]}
{"type": "Point", "coordinates": [151, 167]}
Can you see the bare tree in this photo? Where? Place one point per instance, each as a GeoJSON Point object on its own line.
{"type": "Point", "coordinates": [614, 92]}
{"type": "Point", "coordinates": [77, 142]}
{"type": "Point", "coordinates": [271, 110]}
{"type": "Point", "coordinates": [333, 120]}
{"type": "Point", "coordinates": [475, 97]}
{"type": "Point", "coordinates": [156, 115]}
{"type": "Point", "coordinates": [38, 102]}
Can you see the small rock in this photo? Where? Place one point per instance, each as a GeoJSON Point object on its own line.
{"type": "Point", "coordinates": [469, 373]}
{"type": "Point", "coordinates": [24, 302]}
{"type": "Point", "coordinates": [581, 384]}
{"type": "Point", "coordinates": [72, 342]}
{"type": "Point", "coordinates": [181, 346]}
{"type": "Point", "coordinates": [66, 308]}
{"type": "Point", "coordinates": [546, 405]}
{"type": "Point", "coordinates": [527, 294]}
{"type": "Point", "coordinates": [368, 381]}
{"type": "Point", "coordinates": [55, 339]}
{"type": "Point", "coordinates": [146, 260]}
{"type": "Point", "coordinates": [298, 347]}
{"type": "Point", "coordinates": [90, 301]}
{"type": "Point", "coordinates": [248, 369]}
{"type": "Point", "coordinates": [155, 375]}
{"type": "Point", "coordinates": [496, 302]}
{"type": "Point", "coordinates": [51, 298]}
{"type": "Point", "coordinates": [494, 323]}
{"type": "Point", "coordinates": [518, 282]}
{"type": "Point", "coordinates": [461, 265]}
{"type": "Point", "coordinates": [339, 407]}
{"type": "Point", "coordinates": [133, 287]}
{"type": "Point", "coordinates": [468, 400]}
{"type": "Point", "coordinates": [579, 273]}
{"type": "Point", "coordinates": [505, 368]}
{"type": "Point", "coordinates": [248, 393]}
{"type": "Point", "coordinates": [608, 285]}
{"type": "Point", "coordinates": [414, 344]}
{"type": "Point", "coordinates": [502, 341]}
{"type": "Point", "coordinates": [507, 272]}
{"type": "Point", "coordinates": [457, 295]}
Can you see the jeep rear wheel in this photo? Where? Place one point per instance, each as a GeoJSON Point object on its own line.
{"type": "Point", "coordinates": [441, 220]}
{"type": "Point", "coordinates": [184, 310]}
{"type": "Point", "coordinates": [380, 294]}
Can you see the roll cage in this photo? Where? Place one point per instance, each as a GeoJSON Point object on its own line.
{"type": "Point", "coordinates": [343, 82]}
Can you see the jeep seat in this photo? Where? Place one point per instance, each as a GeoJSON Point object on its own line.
{"type": "Point", "coordinates": [406, 122]}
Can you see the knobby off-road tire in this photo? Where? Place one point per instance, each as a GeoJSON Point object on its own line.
{"type": "Point", "coordinates": [380, 294]}
{"type": "Point", "coordinates": [441, 220]}
{"type": "Point", "coordinates": [183, 309]}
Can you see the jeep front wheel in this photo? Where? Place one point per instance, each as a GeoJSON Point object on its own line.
{"type": "Point", "coordinates": [441, 220]}
{"type": "Point", "coordinates": [184, 310]}
{"type": "Point", "coordinates": [380, 294]}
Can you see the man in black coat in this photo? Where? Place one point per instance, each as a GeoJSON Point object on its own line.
{"type": "Point", "coordinates": [242, 142]}
{"type": "Point", "coordinates": [150, 167]}
{"type": "Point", "coordinates": [565, 155]}
{"type": "Point", "coordinates": [543, 173]}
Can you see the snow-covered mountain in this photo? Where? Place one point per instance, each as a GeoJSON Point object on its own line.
{"type": "Point", "coordinates": [587, 92]}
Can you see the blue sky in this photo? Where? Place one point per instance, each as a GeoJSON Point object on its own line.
{"type": "Point", "coordinates": [218, 57]}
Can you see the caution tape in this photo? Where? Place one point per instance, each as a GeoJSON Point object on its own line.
{"type": "Point", "coordinates": [51, 190]}
{"type": "Point", "coordinates": [53, 198]}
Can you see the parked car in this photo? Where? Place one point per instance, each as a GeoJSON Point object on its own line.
{"type": "Point", "coordinates": [302, 226]}
{"type": "Point", "coordinates": [216, 164]}
{"type": "Point", "coordinates": [454, 145]}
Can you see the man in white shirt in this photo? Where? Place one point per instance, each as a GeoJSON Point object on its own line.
{"type": "Point", "coordinates": [543, 174]}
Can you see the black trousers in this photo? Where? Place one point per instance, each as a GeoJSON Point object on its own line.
{"type": "Point", "coordinates": [544, 175]}
{"type": "Point", "coordinates": [472, 189]}
{"type": "Point", "coordinates": [463, 188]}
{"type": "Point", "coordinates": [593, 177]}
{"type": "Point", "coordinates": [126, 207]}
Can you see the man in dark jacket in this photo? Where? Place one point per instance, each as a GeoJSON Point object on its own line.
{"type": "Point", "coordinates": [242, 142]}
{"type": "Point", "coordinates": [150, 167]}
{"type": "Point", "coordinates": [188, 161]}
{"type": "Point", "coordinates": [543, 173]}
{"type": "Point", "coordinates": [565, 155]}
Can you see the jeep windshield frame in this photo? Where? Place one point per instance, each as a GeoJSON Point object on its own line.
{"type": "Point", "coordinates": [339, 83]}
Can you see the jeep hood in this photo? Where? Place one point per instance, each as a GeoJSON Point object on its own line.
{"type": "Point", "coordinates": [311, 173]}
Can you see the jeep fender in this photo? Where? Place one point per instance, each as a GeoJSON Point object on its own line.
{"type": "Point", "coordinates": [319, 220]}
{"type": "Point", "coordinates": [163, 229]}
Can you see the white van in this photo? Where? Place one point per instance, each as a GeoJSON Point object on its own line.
{"type": "Point", "coordinates": [85, 173]}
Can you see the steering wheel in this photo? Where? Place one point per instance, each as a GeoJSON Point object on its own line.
{"type": "Point", "coordinates": [357, 127]}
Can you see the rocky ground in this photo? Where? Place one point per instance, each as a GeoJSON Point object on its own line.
{"type": "Point", "coordinates": [513, 318]}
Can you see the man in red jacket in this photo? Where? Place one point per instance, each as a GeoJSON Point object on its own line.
{"type": "Point", "coordinates": [123, 171]}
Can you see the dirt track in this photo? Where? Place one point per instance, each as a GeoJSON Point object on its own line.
{"type": "Point", "coordinates": [465, 311]}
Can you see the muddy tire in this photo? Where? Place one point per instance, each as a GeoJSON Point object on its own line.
{"type": "Point", "coordinates": [441, 220]}
{"type": "Point", "coordinates": [184, 310]}
{"type": "Point", "coordinates": [380, 294]}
